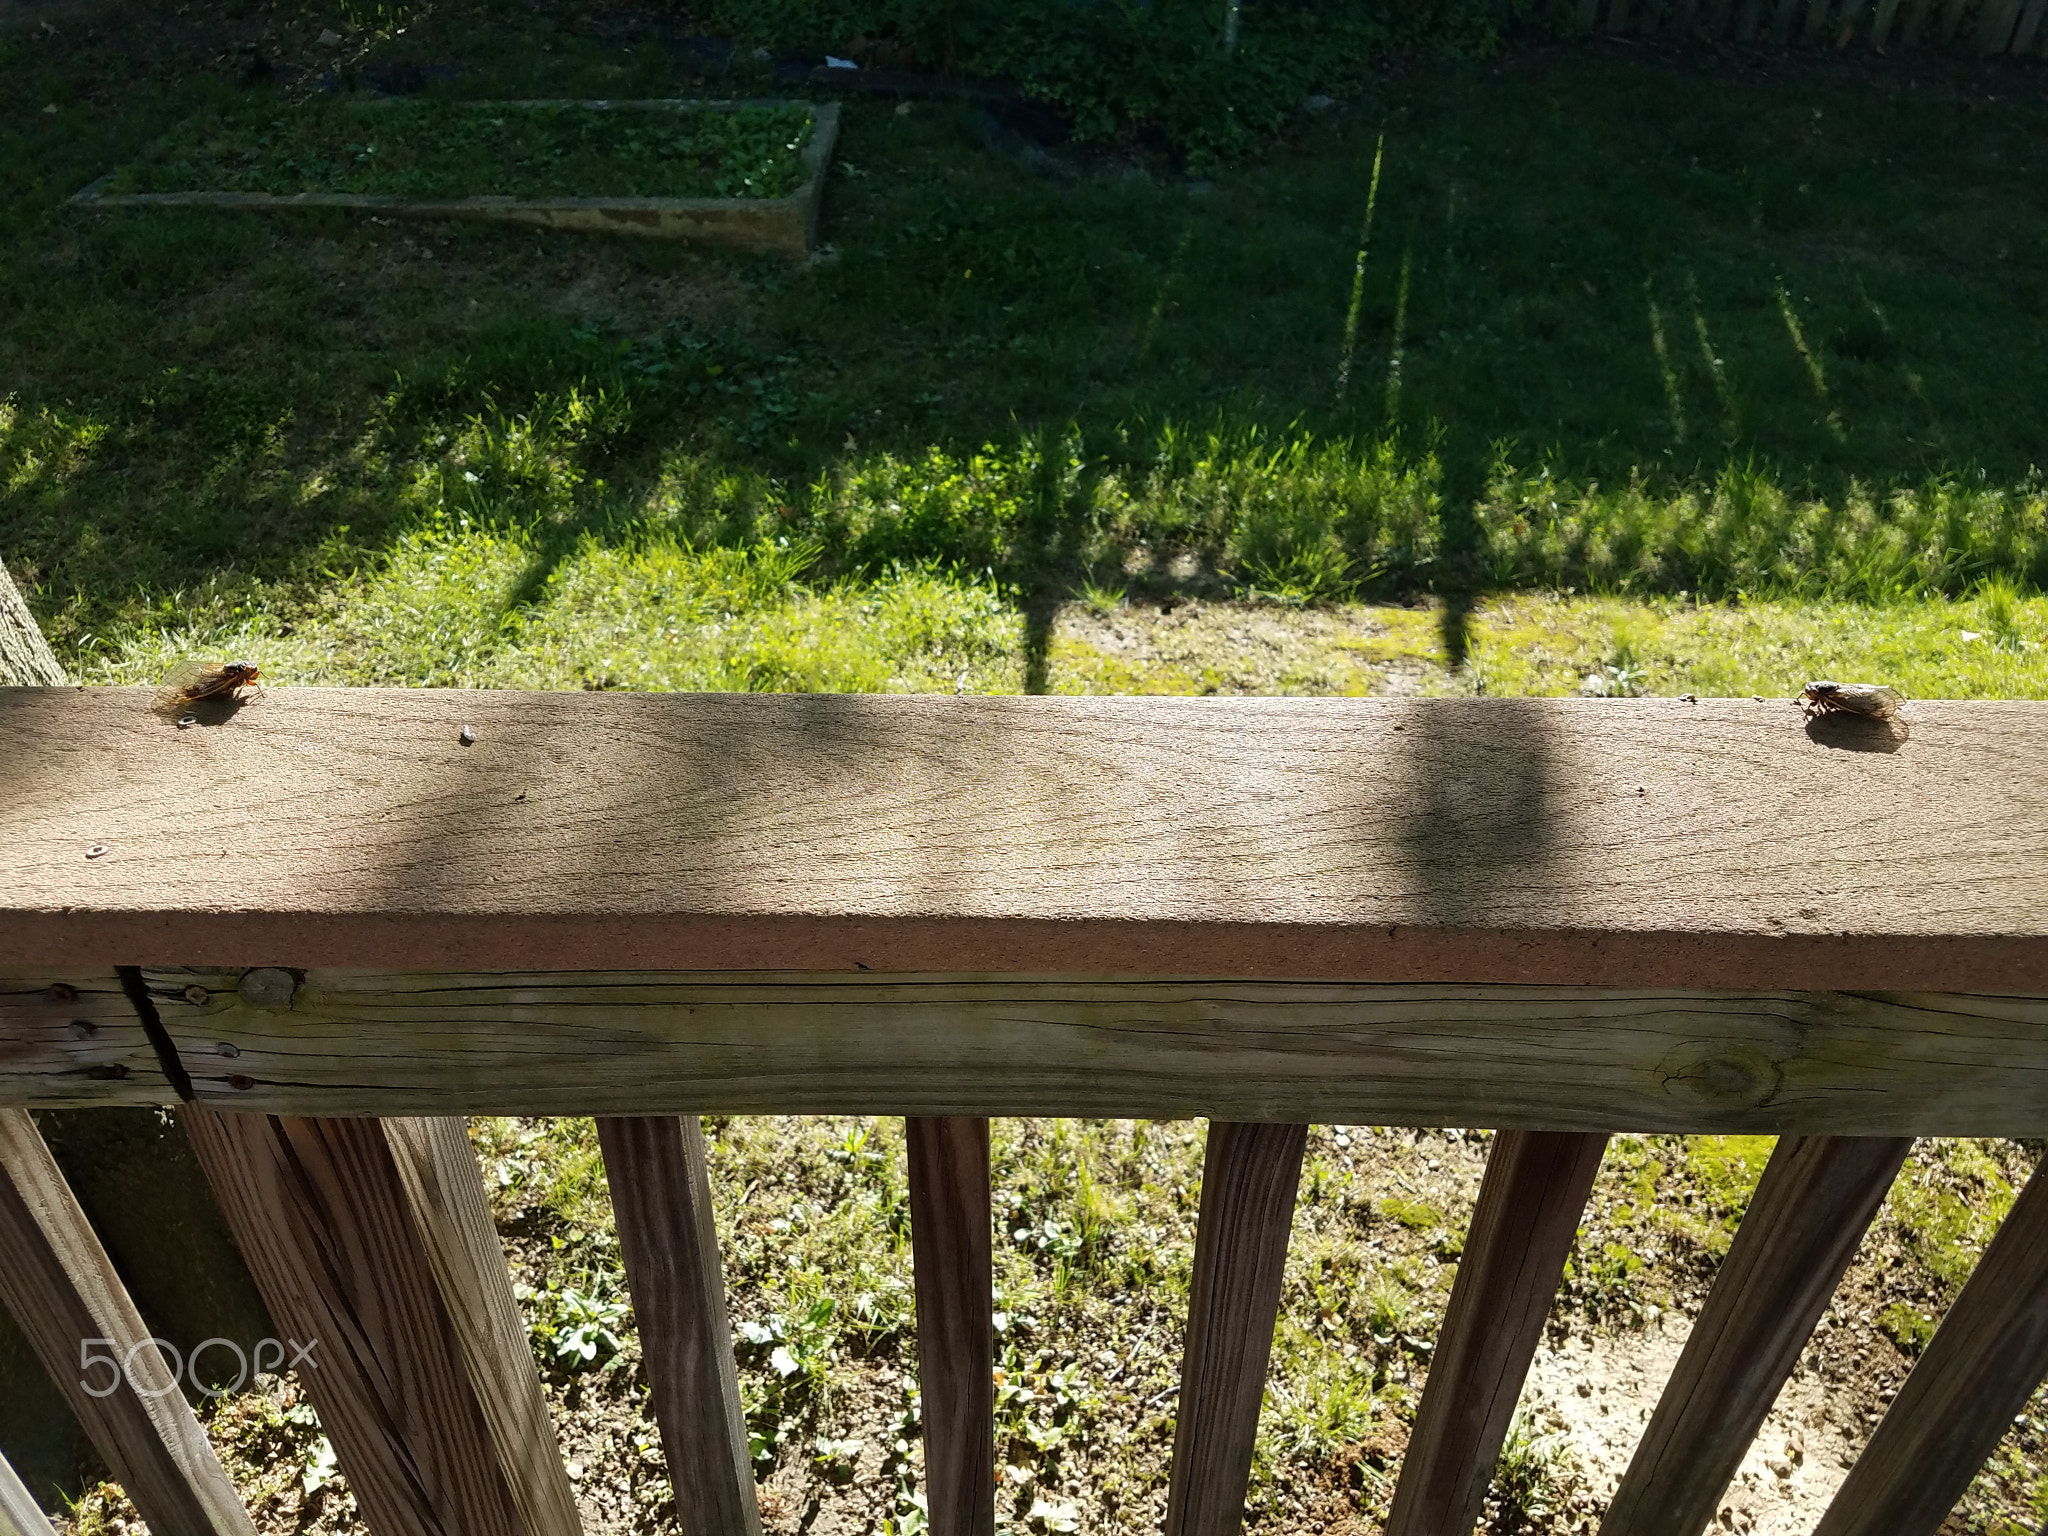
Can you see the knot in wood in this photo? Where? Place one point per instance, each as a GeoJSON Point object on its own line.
{"type": "Point", "coordinates": [268, 987]}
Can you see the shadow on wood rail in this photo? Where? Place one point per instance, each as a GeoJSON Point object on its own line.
{"type": "Point", "coordinates": [328, 927]}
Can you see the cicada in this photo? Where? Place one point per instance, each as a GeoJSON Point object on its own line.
{"type": "Point", "coordinates": [195, 681]}
{"type": "Point", "coordinates": [1873, 700]}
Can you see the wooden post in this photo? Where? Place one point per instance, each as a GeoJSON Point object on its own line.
{"type": "Point", "coordinates": [1978, 1371]}
{"type": "Point", "coordinates": [323, 1218]}
{"type": "Point", "coordinates": [453, 1216]}
{"type": "Point", "coordinates": [1810, 1210]}
{"type": "Point", "coordinates": [58, 1282]}
{"type": "Point", "coordinates": [954, 1264]}
{"type": "Point", "coordinates": [26, 660]}
{"type": "Point", "coordinates": [661, 1195]}
{"type": "Point", "coordinates": [19, 1513]}
{"type": "Point", "coordinates": [1249, 1175]}
{"type": "Point", "coordinates": [1522, 1232]}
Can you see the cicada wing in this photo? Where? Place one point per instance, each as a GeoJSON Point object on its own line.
{"type": "Point", "coordinates": [1872, 699]}
{"type": "Point", "coordinates": [185, 683]}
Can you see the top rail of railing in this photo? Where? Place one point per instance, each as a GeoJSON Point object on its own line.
{"type": "Point", "coordinates": [1645, 842]}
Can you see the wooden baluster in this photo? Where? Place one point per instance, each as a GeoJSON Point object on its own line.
{"type": "Point", "coordinates": [322, 1216]}
{"type": "Point", "coordinates": [60, 1286]}
{"type": "Point", "coordinates": [1978, 1371]}
{"type": "Point", "coordinates": [661, 1196]}
{"type": "Point", "coordinates": [954, 1262]}
{"type": "Point", "coordinates": [1995, 25]}
{"type": "Point", "coordinates": [1811, 1208]}
{"type": "Point", "coordinates": [1522, 1232]}
{"type": "Point", "coordinates": [1249, 1175]}
{"type": "Point", "coordinates": [453, 1216]}
{"type": "Point", "coordinates": [2029, 28]}
{"type": "Point", "coordinates": [20, 1515]}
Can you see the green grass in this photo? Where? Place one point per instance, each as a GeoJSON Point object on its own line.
{"type": "Point", "coordinates": [441, 149]}
{"type": "Point", "coordinates": [1626, 325]}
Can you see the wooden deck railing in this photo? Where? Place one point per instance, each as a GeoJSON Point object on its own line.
{"type": "Point", "coordinates": [328, 925]}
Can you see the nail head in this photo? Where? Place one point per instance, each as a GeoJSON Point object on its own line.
{"type": "Point", "coordinates": [62, 992]}
{"type": "Point", "coordinates": [197, 995]}
{"type": "Point", "coordinates": [467, 736]}
{"type": "Point", "coordinates": [81, 1029]}
{"type": "Point", "coordinates": [97, 850]}
{"type": "Point", "coordinates": [227, 1048]}
{"type": "Point", "coordinates": [240, 1083]}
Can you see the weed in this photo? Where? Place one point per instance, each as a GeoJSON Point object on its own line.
{"type": "Point", "coordinates": [1534, 1478]}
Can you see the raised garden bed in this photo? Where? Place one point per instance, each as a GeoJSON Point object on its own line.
{"type": "Point", "coordinates": [747, 174]}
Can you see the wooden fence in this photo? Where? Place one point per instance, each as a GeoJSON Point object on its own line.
{"type": "Point", "coordinates": [2018, 28]}
{"type": "Point", "coordinates": [329, 924]}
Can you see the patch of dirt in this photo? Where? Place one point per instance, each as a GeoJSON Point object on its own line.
{"type": "Point", "coordinates": [1178, 645]}
{"type": "Point", "coordinates": [1600, 1389]}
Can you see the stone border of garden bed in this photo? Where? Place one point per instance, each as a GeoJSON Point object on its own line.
{"type": "Point", "coordinates": [788, 224]}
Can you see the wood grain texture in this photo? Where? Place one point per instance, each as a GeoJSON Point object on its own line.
{"type": "Point", "coordinates": [953, 1253]}
{"type": "Point", "coordinates": [1626, 842]}
{"type": "Point", "coordinates": [20, 1515]}
{"type": "Point", "coordinates": [60, 1287]}
{"type": "Point", "coordinates": [322, 1216]}
{"type": "Point", "coordinates": [1249, 1176]}
{"type": "Point", "coordinates": [1522, 1231]}
{"type": "Point", "coordinates": [453, 1217]}
{"type": "Point", "coordinates": [661, 1197]}
{"type": "Point", "coordinates": [1810, 1210]}
{"type": "Point", "coordinates": [69, 1039]}
{"type": "Point", "coordinates": [1977, 1372]}
{"type": "Point", "coordinates": [1524, 1057]}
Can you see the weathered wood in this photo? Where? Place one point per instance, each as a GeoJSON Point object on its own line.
{"type": "Point", "coordinates": [950, 1234]}
{"type": "Point", "coordinates": [1623, 842]}
{"type": "Point", "coordinates": [452, 1214]}
{"type": "Point", "coordinates": [20, 1515]}
{"type": "Point", "coordinates": [1978, 1371]}
{"type": "Point", "coordinates": [324, 1221]}
{"type": "Point", "coordinates": [26, 660]}
{"type": "Point", "coordinates": [61, 1288]}
{"type": "Point", "coordinates": [2029, 27]}
{"type": "Point", "coordinates": [1522, 1057]}
{"type": "Point", "coordinates": [661, 1195]}
{"type": "Point", "coordinates": [1522, 1231]}
{"type": "Point", "coordinates": [1817, 1196]}
{"type": "Point", "coordinates": [1249, 1176]}
{"type": "Point", "coordinates": [1881, 25]}
{"type": "Point", "coordinates": [1995, 24]}
{"type": "Point", "coordinates": [70, 1038]}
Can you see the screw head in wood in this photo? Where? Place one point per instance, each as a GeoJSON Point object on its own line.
{"type": "Point", "coordinates": [110, 1071]}
{"type": "Point", "coordinates": [197, 995]}
{"type": "Point", "coordinates": [268, 987]}
{"type": "Point", "coordinates": [96, 851]}
{"type": "Point", "coordinates": [81, 1029]}
{"type": "Point", "coordinates": [61, 992]}
{"type": "Point", "coordinates": [227, 1048]}
{"type": "Point", "coordinates": [467, 736]}
{"type": "Point", "coordinates": [240, 1083]}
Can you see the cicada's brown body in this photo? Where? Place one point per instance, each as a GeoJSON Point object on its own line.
{"type": "Point", "coordinates": [199, 680]}
{"type": "Point", "coordinates": [1872, 700]}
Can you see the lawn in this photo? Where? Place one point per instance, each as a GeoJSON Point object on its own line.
{"type": "Point", "coordinates": [1577, 369]}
